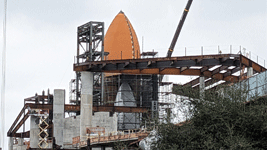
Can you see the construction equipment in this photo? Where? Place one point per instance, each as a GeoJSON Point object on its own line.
{"type": "Point", "coordinates": [177, 32]}
{"type": "Point", "coordinates": [179, 28]}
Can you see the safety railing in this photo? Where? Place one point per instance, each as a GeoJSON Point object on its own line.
{"type": "Point", "coordinates": [110, 137]}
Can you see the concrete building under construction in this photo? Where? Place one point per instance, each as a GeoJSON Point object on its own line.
{"type": "Point", "coordinates": [117, 90]}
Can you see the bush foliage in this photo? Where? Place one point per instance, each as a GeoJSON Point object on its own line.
{"type": "Point", "coordinates": [217, 120]}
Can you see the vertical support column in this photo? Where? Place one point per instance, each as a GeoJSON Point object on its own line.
{"type": "Point", "coordinates": [102, 88]}
{"type": "Point", "coordinates": [20, 144]}
{"type": "Point", "coordinates": [77, 86]}
{"type": "Point", "coordinates": [90, 42]}
{"type": "Point", "coordinates": [102, 58]}
{"type": "Point", "coordinates": [86, 103]}
{"type": "Point", "coordinates": [77, 61]}
{"type": "Point", "coordinates": [249, 72]}
{"type": "Point", "coordinates": [58, 115]}
{"type": "Point", "coordinates": [154, 109]}
{"type": "Point", "coordinates": [34, 131]}
{"type": "Point", "coordinates": [10, 143]}
{"type": "Point", "coordinates": [201, 87]}
{"type": "Point", "coordinates": [155, 87]}
{"type": "Point", "coordinates": [265, 81]}
{"type": "Point", "coordinates": [169, 111]}
{"type": "Point", "coordinates": [155, 91]}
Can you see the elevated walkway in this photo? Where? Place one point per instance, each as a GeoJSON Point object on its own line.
{"type": "Point", "coordinates": [110, 138]}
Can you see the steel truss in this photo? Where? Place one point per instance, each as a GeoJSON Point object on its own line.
{"type": "Point", "coordinates": [89, 38]}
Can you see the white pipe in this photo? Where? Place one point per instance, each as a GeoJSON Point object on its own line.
{"type": "Point", "coordinates": [3, 80]}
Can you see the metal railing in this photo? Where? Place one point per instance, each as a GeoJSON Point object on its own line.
{"type": "Point", "coordinates": [110, 137]}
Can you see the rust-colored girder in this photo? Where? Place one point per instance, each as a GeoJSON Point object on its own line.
{"type": "Point", "coordinates": [20, 124]}
{"type": "Point", "coordinates": [174, 66]}
{"type": "Point", "coordinates": [170, 71]}
{"type": "Point", "coordinates": [216, 75]}
{"type": "Point", "coordinates": [193, 82]}
{"type": "Point", "coordinates": [249, 63]}
{"type": "Point", "coordinates": [198, 57]}
{"type": "Point", "coordinates": [16, 121]}
{"type": "Point", "coordinates": [132, 65]}
{"type": "Point", "coordinates": [74, 108]}
{"type": "Point", "coordinates": [217, 70]}
{"type": "Point", "coordinates": [22, 134]}
{"type": "Point", "coordinates": [39, 106]}
{"type": "Point", "coordinates": [124, 109]}
{"type": "Point", "coordinates": [220, 76]}
{"type": "Point", "coordinates": [109, 109]}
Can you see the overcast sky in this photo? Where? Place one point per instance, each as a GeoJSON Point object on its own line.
{"type": "Point", "coordinates": [41, 35]}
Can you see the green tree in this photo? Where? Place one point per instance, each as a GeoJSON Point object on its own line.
{"type": "Point", "coordinates": [220, 119]}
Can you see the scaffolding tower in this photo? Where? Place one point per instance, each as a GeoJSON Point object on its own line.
{"type": "Point", "coordinates": [89, 37]}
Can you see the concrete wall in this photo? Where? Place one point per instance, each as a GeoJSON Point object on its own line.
{"type": "Point", "coordinates": [10, 143]}
{"type": "Point", "coordinates": [72, 126]}
{"type": "Point", "coordinates": [24, 147]}
{"type": "Point", "coordinates": [71, 129]}
{"type": "Point", "coordinates": [20, 145]}
{"type": "Point", "coordinates": [102, 119]}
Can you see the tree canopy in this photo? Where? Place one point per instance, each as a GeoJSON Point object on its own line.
{"type": "Point", "coordinates": [220, 119]}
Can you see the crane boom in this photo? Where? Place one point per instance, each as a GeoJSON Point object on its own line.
{"type": "Point", "coordinates": [179, 28]}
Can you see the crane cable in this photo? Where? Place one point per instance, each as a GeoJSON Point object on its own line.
{"type": "Point", "coordinates": [2, 138]}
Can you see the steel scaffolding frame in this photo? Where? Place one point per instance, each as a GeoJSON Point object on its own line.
{"type": "Point", "coordinates": [145, 92]}
{"type": "Point", "coordinates": [89, 36]}
{"type": "Point", "coordinates": [166, 100]}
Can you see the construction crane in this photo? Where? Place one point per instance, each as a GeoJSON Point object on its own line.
{"type": "Point", "coordinates": [177, 32]}
{"type": "Point", "coordinates": [179, 28]}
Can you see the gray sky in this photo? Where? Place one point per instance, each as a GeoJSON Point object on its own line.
{"type": "Point", "coordinates": [41, 35]}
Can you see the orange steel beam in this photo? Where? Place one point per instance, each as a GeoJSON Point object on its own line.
{"type": "Point", "coordinates": [249, 63]}
{"type": "Point", "coordinates": [20, 124]}
{"type": "Point", "coordinates": [196, 81]}
{"type": "Point", "coordinates": [198, 57]}
{"type": "Point", "coordinates": [166, 66]}
{"type": "Point", "coordinates": [158, 63]}
{"type": "Point", "coordinates": [170, 71]}
{"type": "Point", "coordinates": [120, 109]}
{"type": "Point", "coordinates": [109, 109]}
{"type": "Point", "coordinates": [16, 121]}
{"type": "Point", "coordinates": [73, 108]}
{"type": "Point", "coordinates": [22, 134]}
{"type": "Point", "coordinates": [39, 106]}
{"type": "Point", "coordinates": [193, 82]}
{"type": "Point", "coordinates": [173, 66]}
{"type": "Point", "coordinates": [227, 77]}
{"type": "Point", "coordinates": [220, 76]}
{"type": "Point", "coordinates": [177, 71]}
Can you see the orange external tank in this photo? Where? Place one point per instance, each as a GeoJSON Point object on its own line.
{"type": "Point", "coordinates": [121, 41]}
